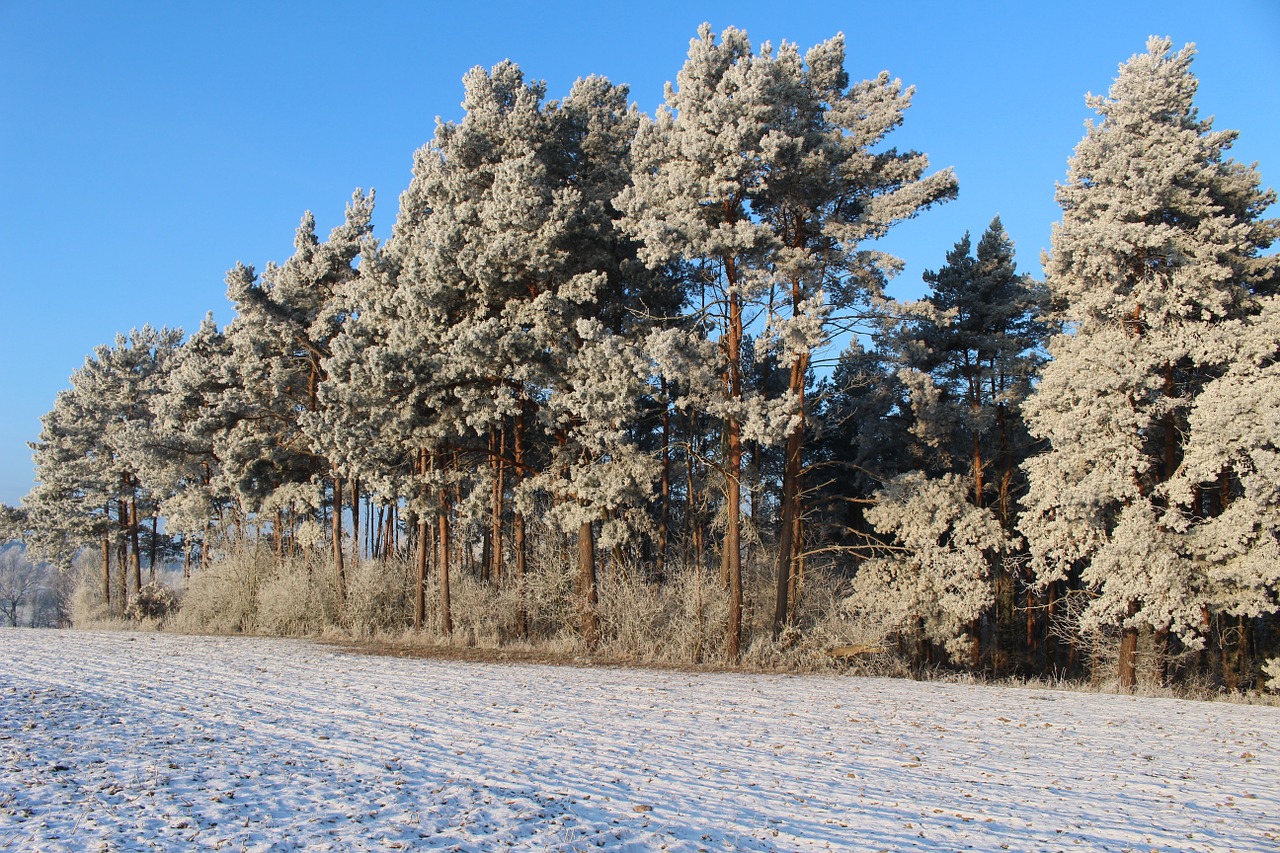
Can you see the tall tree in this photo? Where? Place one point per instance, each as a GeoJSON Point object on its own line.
{"type": "Point", "coordinates": [980, 351]}
{"type": "Point", "coordinates": [761, 170]}
{"type": "Point", "coordinates": [1159, 249]}
{"type": "Point", "coordinates": [282, 333]}
{"type": "Point", "coordinates": [85, 462]}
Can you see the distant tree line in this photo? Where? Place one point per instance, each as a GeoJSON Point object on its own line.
{"type": "Point", "coordinates": [600, 346]}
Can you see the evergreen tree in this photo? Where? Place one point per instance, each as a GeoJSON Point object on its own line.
{"type": "Point", "coordinates": [760, 171]}
{"type": "Point", "coordinates": [182, 464]}
{"type": "Point", "coordinates": [939, 581]}
{"type": "Point", "coordinates": [86, 458]}
{"type": "Point", "coordinates": [1159, 250]}
{"type": "Point", "coordinates": [981, 352]}
{"type": "Point", "coordinates": [281, 334]}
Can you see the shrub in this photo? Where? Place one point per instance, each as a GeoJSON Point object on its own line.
{"type": "Point", "coordinates": [155, 601]}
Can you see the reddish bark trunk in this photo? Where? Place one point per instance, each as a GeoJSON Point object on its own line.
{"type": "Point", "coordinates": [588, 593]}
{"type": "Point", "coordinates": [789, 540]}
{"type": "Point", "coordinates": [106, 569]}
{"type": "Point", "coordinates": [135, 558]}
{"type": "Point", "coordinates": [1128, 669]}
{"type": "Point", "coordinates": [446, 615]}
{"type": "Point", "coordinates": [339, 567]}
{"type": "Point", "coordinates": [518, 534]}
{"type": "Point", "coordinates": [495, 523]}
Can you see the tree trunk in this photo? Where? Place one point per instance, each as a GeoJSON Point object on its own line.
{"type": "Point", "coordinates": [732, 553]}
{"type": "Point", "coordinates": [692, 513]}
{"type": "Point", "coordinates": [1031, 629]}
{"type": "Point", "coordinates": [1006, 468]}
{"type": "Point", "coordinates": [789, 541]}
{"type": "Point", "coordinates": [588, 593]}
{"type": "Point", "coordinates": [788, 547]}
{"type": "Point", "coordinates": [122, 555]}
{"type": "Point", "coordinates": [495, 521]}
{"type": "Point", "coordinates": [975, 644]}
{"type": "Point", "coordinates": [338, 566]}
{"type": "Point", "coordinates": [442, 518]}
{"type": "Point", "coordinates": [518, 534]}
{"type": "Point", "coordinates": [664, 509]}
{"type": "Point", "coordinates": [978, 485]}
{"type": "Point", "coordinates": [106, 570]}
{"type": "Point", "coordinates": [355, 519]}
{"type": "Point", "coordinates": [204, 546]}
{"type": "Point", "coordinates": [420, 587]}
{"type": "Point", "coordinates": [1162, 656]}
{"type": "Point", "coordinates": [135, 558]}
{"type": "Point", "coordinates": [733, 546]}
{"type": "Point", "coordinates": [151, 552]}
{"type": "Point", "coordinates": [277, 539]}
{"type": "Point", "coordinates": [1129, 654]}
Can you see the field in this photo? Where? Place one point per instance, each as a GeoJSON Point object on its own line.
{"type": "Point", "coordinates": [118, 741]}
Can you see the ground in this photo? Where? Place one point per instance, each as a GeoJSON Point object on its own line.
{"type": "Point", "coordinates": [120, 741]}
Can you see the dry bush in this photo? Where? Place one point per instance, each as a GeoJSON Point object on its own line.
{"type": "Point", "coordinates": [299, 597]}
{"type": "Point", "coordinates": [680, 621]}
{"type": "Point", "coordinates": [379, 597]}
{"type": "Point", "coordinates": [155, 603]}
{"type": "Point", "coordinates": [88, 610]}
{"type": "Point", "coordinates": [478, 618]}
{"type": "Point", "coordinates": [222, 598]}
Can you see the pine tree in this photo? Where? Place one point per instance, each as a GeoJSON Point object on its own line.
{"type": "Point", "coordinates": [1159, 250]}
{"type": "Point", "coordinates": [282, 333]}
{"type": "Point", "coordinates": [939, 581]}
{"type": "Point", "coordinates": [759, 171]}
{"type": "Point", "coordinates": [86, 457]}
{"type": "Point", "coordinates": [981, 352]}
{"type": "Point", "coordinates": [182, 464]}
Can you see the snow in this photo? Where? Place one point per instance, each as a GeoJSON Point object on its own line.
{"type": "Point", "coordinates": [148, 741]}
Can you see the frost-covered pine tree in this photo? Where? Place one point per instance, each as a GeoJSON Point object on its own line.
{"type": "Point", "coordinates": [936, 578]}
{"type": "Point", "coordinates": [759, 170]}
{"type": "Point", "coordinates": [279, 338]}
{"type": "Point", "coordinates": [183, 464]}
{"type": "Point", "coordinates": [86, 459]}
{"type": "Point", "coordinates": [1158, 251]}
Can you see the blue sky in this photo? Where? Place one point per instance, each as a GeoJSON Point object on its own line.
{"type": "Point", "coordinates": [145, 147]}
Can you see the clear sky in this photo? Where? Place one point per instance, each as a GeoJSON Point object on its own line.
{"type": "Point", "coordinates": [147, 146]}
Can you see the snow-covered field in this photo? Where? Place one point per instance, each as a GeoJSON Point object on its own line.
{"type": "Point", "coordinates": [140, 742]}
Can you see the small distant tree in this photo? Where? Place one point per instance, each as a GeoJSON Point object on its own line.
{"type": "Point", "coordinates": [979, 354]}
{"type": "Point", "coordinates": [20, 582]}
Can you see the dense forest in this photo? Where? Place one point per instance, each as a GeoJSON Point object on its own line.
{"type": "Point", "coordinates": [632, 384]}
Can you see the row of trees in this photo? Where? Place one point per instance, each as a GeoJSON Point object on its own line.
{"type": "Point", "coordinates": [616, 331]}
